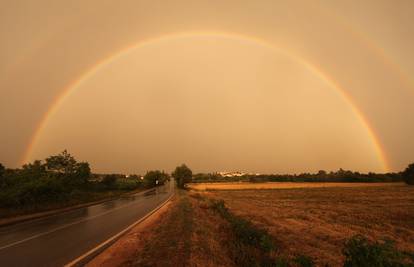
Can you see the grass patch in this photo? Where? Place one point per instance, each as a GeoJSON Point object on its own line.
{"type": "Point", "coordinates": [360, 252]}
{"type": "Point", "coordinates": [171, 243]}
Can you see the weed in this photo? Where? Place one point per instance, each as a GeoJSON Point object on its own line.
{"type": "Point", "coordinates": [360, 252]}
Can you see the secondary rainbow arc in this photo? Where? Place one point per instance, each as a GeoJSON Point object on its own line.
{"type": "Point", "coordinates": [105, 61]}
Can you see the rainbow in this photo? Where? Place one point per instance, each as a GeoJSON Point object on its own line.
{"type": "Point", "coordinates": [379, 52]}
{"type": "Point", "coordinates": [108, 60]}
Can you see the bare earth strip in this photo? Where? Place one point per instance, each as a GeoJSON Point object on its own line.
{"type": "Point", "coordinates": [280, 185]}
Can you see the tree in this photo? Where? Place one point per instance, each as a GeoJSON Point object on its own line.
{"type": "Point", "coordinates": [182, 175]}
{"type": "Point", "coordinates": [61, 163]}
{"type": "Point", "coordinates": [82, 172]}
{"type": "Point", "coordinates": [408, 174]}
{"type": "Point", "coordinates": [154, 178]}
{"type": "Point", "coordinates": [34, 170]}
{"type": "Point", "coordinates": [2, 169]}
{"type": "Point", "coordinates": [65, 165]}
{"type": "Point", "coordinates": [2, 172]}
{"type": "Point", "coordinates": [322, 173]}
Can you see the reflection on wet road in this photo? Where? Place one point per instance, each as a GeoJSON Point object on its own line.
{"type": "Point", "coordinates": [58, 239]}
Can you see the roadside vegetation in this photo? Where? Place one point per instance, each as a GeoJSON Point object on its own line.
{"type": "Point", "coordinates": [59, 181]}
{"type": "Point", "coordinates": [408, 174]}
{"type": "Point", "coordinates": [361, 252]}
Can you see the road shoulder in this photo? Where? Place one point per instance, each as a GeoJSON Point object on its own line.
{"type": "Point", "coordinates": [125, 248]}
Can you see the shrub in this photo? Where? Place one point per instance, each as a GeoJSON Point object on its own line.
{"type": "Point", "coordinates": [408, 174]}
{"type": "Point", "coordinates": [128, 184]}
{"type": "Point", "coordinates": [154, 178]}
{"type": "Point", "coordinates": [244, 230]}
{"type": "Point", "coordinates": [109, 180]}
{"type": "Point", "coordinates": [2, 178]}
{"type": "Point", "coordinates": [304, 261]}
{"type": "Point", "coordinates": [359, 252]}
{"type": "Point", "coordinates": [33, 193]}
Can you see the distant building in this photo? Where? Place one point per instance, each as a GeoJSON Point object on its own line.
{"type": "Point", "coordinates": [235, 174]}
{"type": "Point", "coordinates": [231, 174]}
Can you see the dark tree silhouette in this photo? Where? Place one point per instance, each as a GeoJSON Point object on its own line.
{"type": "Point", "coordinates": [72, 171]}
{"type": "Point", "coordinates": [408, 174]}
{"type": "Point", "coordinates": [2, 170]}
{"type": "Point", "coordinates": [182, 175]}
{"type": "Point", "coordinates": [154, 178]}
{"type": "Point", "coordinates": [62, 163]}
{"type": "Point", "coordinates": [2, 178]}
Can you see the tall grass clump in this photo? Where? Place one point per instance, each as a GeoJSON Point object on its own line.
{"type": "Point", "coordinates": [360, 252]}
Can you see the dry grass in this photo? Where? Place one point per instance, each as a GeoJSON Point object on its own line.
{"type": "Point", "coordinates": [185, 234]}
{"type": "Point", "coordinates": [317, 221]}
{"type": "Point", "coordinates": [279, 185]}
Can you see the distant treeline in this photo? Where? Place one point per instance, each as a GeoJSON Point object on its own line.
{"type": "Point", "coordinates": [62, 179]}
{"type": "Point", "coordinates": [321, 176]}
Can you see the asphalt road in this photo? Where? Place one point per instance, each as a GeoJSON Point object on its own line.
{"type": "Point", "coordinates": [59, 239]}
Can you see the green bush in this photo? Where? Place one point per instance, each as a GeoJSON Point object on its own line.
{"type": "Point", "coordinates": [408, 174]}
{"type": "Point", "coordinates": [109, 180]}
{"type": "Point", "coordinates": [129, 184]}
{"type": "Point", "coordinates": [359, 252]}
{"type": "Point", "coordinates": [154, 178]}
{"type": "Point", "coordinates": [60, 178]}
{"type": "Point", "coordinates": [280, 262]}
{"type": "Point", "coordinates": [304, 261]}
{"type": "Point", "coordinates": [42, 190]}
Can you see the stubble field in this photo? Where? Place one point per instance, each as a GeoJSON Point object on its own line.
{"type": "Point", "coordinates": [280, 185]}
{"type": "Point", "coordinates": [317, 221]}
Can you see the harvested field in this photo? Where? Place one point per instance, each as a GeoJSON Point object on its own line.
{"type": "Point", "coordinates": [317, 221]}
{"type": "Point", "coordinates": [280, 185]}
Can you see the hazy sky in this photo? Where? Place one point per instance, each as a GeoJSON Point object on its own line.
{"type": "Point", "coordinates": [260, 86]}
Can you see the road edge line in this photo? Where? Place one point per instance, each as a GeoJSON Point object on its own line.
{"type": "Point", "coordinates": [88, 256]}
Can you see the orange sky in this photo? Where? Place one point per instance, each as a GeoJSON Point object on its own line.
{"type": "Point", "coordinates": [263, 86]}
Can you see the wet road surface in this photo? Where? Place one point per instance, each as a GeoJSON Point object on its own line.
{"type": "Point", "coordinates": [61, 238]}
